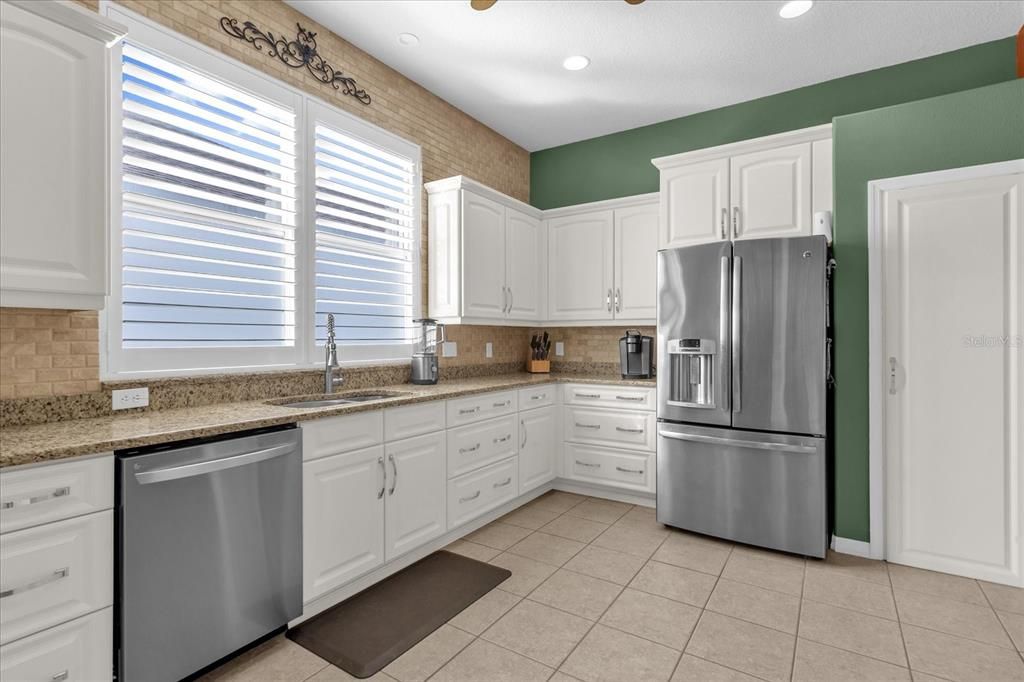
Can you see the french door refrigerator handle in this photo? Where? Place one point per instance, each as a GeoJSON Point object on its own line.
{"type": "Point", "coordinates": [737, 302]}
{"type": "Point", "coordinates": [208, 467]}
{"type": "Point", "coordinates": [723, 323]}
{"type": "Point", "coordinates": [752, 444]}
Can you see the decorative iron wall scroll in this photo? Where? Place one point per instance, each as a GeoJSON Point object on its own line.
{"type": "Point", "coordinates": [297, 53]}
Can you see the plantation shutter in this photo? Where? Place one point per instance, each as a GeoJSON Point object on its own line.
{"type": "Point", "coordinates": [365, 239]}
{"type": "Point", "coordinates": [209, 211]}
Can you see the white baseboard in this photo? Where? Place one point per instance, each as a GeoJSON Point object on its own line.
{"type": "Point", "coordinates": [854, 547]}
{"type": "Point", "coordinates": [565, 485]}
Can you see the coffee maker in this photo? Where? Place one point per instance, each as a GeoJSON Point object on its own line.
{"type": "Point", "coordinates": [635, 351]}
{"type": "Point", "coordinates": [424, 358]}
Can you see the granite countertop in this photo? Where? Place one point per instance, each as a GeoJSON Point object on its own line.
{"type": "Point", "coordinates": [57, 440]}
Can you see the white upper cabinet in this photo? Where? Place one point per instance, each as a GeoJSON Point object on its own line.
{"type": "Point", "coordinates": [524, 251]}
{"type": "Point", "coordinates": [56, 65]}
{"type": "Point", "coordinates": [485, 257]}
{"type": "Point", "coordinates": [767, 187]}
{"type": "Point", "coordinates": [771, 192]}
{"type": "Point", "coordinates": [483, 239]}
{"type": "Point", "coordinates": [580, 266]}
{"type": "Point", "coordinates": [636, 262]}
{"type": "Point", "coordinates": [694, 205]}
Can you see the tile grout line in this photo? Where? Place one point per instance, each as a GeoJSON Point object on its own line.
{"type": "Point", "coordinates": [799, 613]}
{"type": "Point", "coordinates": [703, 610]}
{"type": "Point", "coordinates": [1000, 620]}
{"type": "Point", "coordinates": [899, 620]}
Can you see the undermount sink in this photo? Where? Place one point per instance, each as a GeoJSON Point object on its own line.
{"type": "Point", "coordinates": [326, 401]}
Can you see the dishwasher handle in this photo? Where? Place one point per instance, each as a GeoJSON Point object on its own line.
{"type": "Point", "coordinates": [209, 467]}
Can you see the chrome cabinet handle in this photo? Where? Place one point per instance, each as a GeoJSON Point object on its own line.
{"type": "Point", "coordinates": [463, 451]}
{"type": "Point", "coordinates": [625, 430]}
{"type": "Point", "coordinates": [511, 300]}
{"type": "Point", "coordinates": [383, 477]}
{"type": "Point", "coordinates": [504, 404]}
{"type": "Point", "coordinates": [618, 300]}
{"type": "Point", "coordinates": [593, 396]}
{"type": "Point", "coordinates": [608, 300]}
{"type": "Point", "coordinates": [463, 500]}
{"type": "Point", "coordinates": [503, 439]}
{"type": "Point", "coordinates": [629, 471]}
{"type": "Point", "coordinates": [725, 219]}
{"type": "Point", "coordinates": [735, 221]}
{"type": "Point", "coordinates": [503, 483]}
{"type": "Point", "coordinates": [35, 499]}
{"type": "Point", "coordinates": [539, 396]}
{"type": "Point", "coordinates": [588, 464]}
{"type": "Point", "coordinates": [62, 675]}
{"type": "Point", "coordinates": [59, 574]}
{"type": "Point", "coordinates": [470, 410]}
{"type": "Point", "coordinates": [394, 477]}
{"type": "Point", "coordinates": [631, 398]}
{"type": "Point", "coordinates": [504, 301]}
{"type": "Point", "coordinates": [522, 425]}
{"type": "Point", "coordinates": [587, 426]}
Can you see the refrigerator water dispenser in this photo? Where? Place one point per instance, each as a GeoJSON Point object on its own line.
{"type": "Point", "coordinates": [691, 364]}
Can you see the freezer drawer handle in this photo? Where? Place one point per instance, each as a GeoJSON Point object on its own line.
{"type": "Point", "coordinates": [200, 468]}
{"type": "Point", "coordinates": [629, 471]}
{"type": "Point", "coordinates": [631, 398]}
{"type": "Point", "coordinates": [503, 483]}
{"type": "Point", "coordinates": [752, 444]}
{"type": "Point", "coordinates": [587, 426]}
{"type": "Point", "coordinates": [35, 499]}
{"type": "Point", "coordinates": [464, 500]}
{"type": "Point", "coordinates": [625, 430]}
{"type": "Point", "coordinates": [463, 451]}
{"type": "Point", "coordinates": [588, 464]}
{"type": "Point", "coordinates": [52, 578]}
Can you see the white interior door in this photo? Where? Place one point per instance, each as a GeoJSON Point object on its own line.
{"type": "Point", "coordinates": [580, 267]}
{"type": "Point", "coordinates": [770, 192]}
{"type": "Point", "coordinates": [952, 253]}
{"type": "Point", "coordinates": [636, 263]}
{"type": "Point", "coordinates": [483, 257]}
{"type": "Point", "coordinates": [694, 204]}
{"type": "Point", "coordinates": [524, 264]}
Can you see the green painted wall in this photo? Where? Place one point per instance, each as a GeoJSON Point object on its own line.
{"type": "Point", "coordinates": [620, 164]}
{"type": "Point", "coordinates": [963, 129]}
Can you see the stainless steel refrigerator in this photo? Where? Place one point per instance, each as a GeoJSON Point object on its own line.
{"type": "Point", "coordinates": [743, 356]}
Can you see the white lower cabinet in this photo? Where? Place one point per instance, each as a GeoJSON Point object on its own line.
{"type": "Point", "coordinates": [538, 447]}
{"type": "Point", "coordinates": [80, 650]}
{"type": "Point", "coordinates": [478, 492]}
{"type": "Point", "coordinates": [415, 497]}
{"type": "Point", "coordinates": [343, 519]}
{"type": "Point", "coordinates": [610, 467]}
{"type": "Point", "coordinates": [473, 446]}
{"type": "Point", "coordinates": [614, 428]}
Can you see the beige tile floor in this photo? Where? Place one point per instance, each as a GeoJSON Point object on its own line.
{"type": "Point", "coordinates": [600, 591]}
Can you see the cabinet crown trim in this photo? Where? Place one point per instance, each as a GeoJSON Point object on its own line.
{"type": "Point", "coordinates": [71, 16]}
{"type": "Point", "coordinates": [463, 182]}
{"type": "Point", "coordinates": [822, 132]}
{"type": "Point", "coordinates": [603, 205]}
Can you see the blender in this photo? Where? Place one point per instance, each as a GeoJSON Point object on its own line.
{"type": "Point", "coordinates": [424, 358]}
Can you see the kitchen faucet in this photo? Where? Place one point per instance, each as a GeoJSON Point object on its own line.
{"type": "Point", "coordinates": [332, 372]}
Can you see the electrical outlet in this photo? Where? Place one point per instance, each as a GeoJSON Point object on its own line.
{"type": "Point", "coordinates": [128, 398]}
{"type": "Point", "coordinates": [449, 349]}
{"type": "Point", "coordinates": [489, 350]}
{"type": "Point", "coordinates": [559, 348]}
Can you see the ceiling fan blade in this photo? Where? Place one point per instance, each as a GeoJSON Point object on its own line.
{"type": "Point", "coordinates": [481, 5]}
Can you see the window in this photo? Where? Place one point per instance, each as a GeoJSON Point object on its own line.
{"type": "Point", "coordinates": [249, 212]}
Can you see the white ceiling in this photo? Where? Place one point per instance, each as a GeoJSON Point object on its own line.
{"type": "Point", "coordinates": [651, 62]}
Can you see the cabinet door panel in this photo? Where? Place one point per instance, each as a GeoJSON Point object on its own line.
{"type": "Point", "coordinates": [636, 262]}
{"type": "Point", "coordinates": [483, 257]}
{"type": "Point", "coordinates": [538, 447]}
{"type": "Point", "coordinates": [53, 165]}
{"type": "Point", "coordinates": [693, 198]}
{"type": "Point", "coordinates": [580, 267]}
{"type": "Point", "coordinates": [525, 274]}
{"type": "Point", "coordinates": [415, 499]}
{"type": "Point", "coordinates": [771, 190]}
{"type": "Point", "coordinates": [343, 519]}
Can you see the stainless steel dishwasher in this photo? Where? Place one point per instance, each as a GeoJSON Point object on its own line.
{"type": "Point", "coordinates": [209, 550]}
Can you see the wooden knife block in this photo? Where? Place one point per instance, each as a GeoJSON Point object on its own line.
{"type": "Point", "coordinates": [538, 366]}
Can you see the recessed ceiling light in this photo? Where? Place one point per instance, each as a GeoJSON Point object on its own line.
{"type": "Point", "coordinates": [794, 8]}
{"type": "Point", "coordinates": [576, 62]}
{"type": "Point", "coordinates": [409, 39]}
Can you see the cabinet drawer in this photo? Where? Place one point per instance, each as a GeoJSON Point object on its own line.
{"type": "Point", "coordinates": [329, 436]}
{"type": "Point", "coordinates": [471, 447]}
{"type": "Point", "coordinates": [537, 396]}
{"type": "Point", "coordinates": [53, 573]}
{"type": "Point", "coordinates": [51, 492]}
{"type": "Point", "coordinates": [413, 420]}
{"type": "Point", "coordinates": [633, 471]}
{"type": "Point", "coordinates": [615, 428]}
{"type": "Point", "coordinates": [478, 492]}
{"type": "Point", "coordinates": [476, 408]}
{"type": "Point", "coordinates": [619, 397]}
{"type": "Point", "coordinates": [79, 650]}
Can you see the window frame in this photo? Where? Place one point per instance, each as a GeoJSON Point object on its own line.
{"type": "Point", "coordinates": [117, 362]}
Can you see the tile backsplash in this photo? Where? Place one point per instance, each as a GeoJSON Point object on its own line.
{"type": "Point", "coordinates": [48, 352]}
